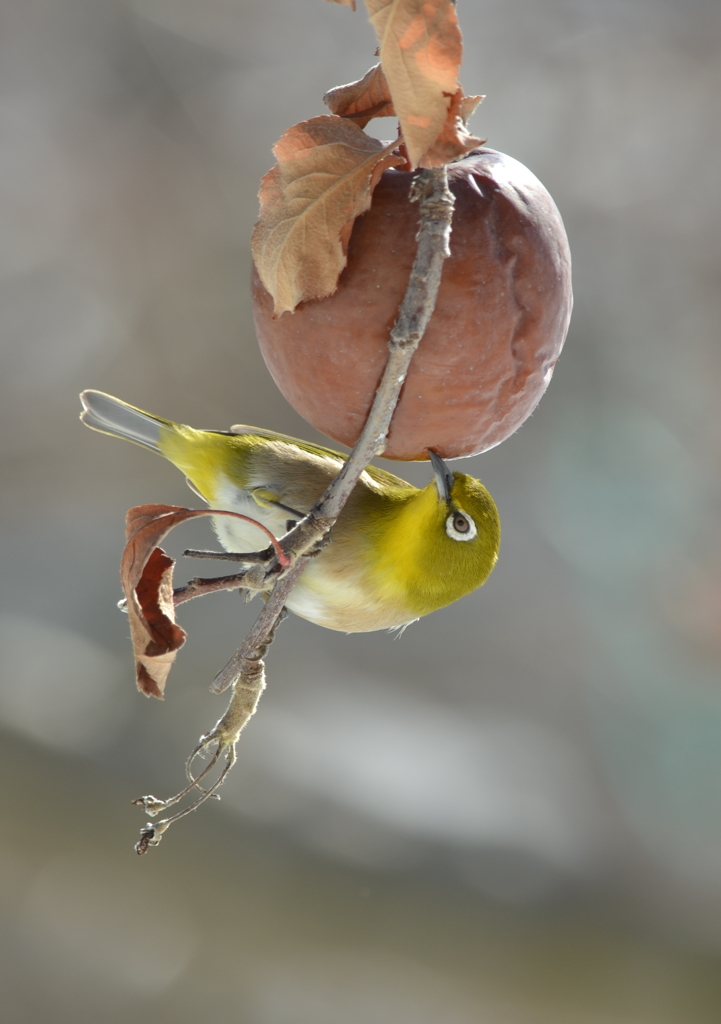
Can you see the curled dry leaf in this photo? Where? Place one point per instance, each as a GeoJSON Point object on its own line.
{"type": "Point", "coordinates": [326, 172]}
{"type": "Point", "coordinates": [454, 140]}
{"type": "Point", "coordinates": [370, 97]}
{"type": "Point", "coordinates": [420, 50]}
{"type": "Point", "coordinates": [467, 106]}
{"type": "Point", "coordinates": [146, 574]}
{"type": "Point", "coordinates": [362, 100]}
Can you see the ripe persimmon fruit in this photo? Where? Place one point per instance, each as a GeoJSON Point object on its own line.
{"type": "Point", "coordinates": [490, 348]}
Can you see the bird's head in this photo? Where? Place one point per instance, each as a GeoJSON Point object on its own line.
{"type": "Point", "coordinates": [468, 528]}
{"type": "Point", "coordinates": [445, 541]}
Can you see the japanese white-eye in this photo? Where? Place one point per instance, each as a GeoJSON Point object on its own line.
{"type": "Point", "coordinates": [396, 552]}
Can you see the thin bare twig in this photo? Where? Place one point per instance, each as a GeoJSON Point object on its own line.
{"type": "Point", "coordinates": [151, 834]}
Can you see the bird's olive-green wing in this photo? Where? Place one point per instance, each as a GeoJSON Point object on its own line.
{"type": "Point", "coordinates": [380, 476]}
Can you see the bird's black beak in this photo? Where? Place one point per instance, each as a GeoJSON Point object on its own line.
{"type": "Point", "coordinates": [443, 476]}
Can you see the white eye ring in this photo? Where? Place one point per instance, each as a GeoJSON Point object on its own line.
{"type": "Point", "coordinates": [460, 519]}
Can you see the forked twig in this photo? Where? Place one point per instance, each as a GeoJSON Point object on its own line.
{"type": "Point", "coordinates": [245, 670]}
{"type": "Point", "coordinates": [151, 834]}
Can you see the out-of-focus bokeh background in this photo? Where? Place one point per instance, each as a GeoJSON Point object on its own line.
{"type": "Point", "coordinates": [512, 813]}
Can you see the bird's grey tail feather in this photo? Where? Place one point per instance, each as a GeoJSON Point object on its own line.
{"type": "Point", "coordinates": [111, 416]}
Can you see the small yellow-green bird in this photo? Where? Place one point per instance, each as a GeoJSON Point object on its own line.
{"type": "Point", "coordinates": [396, 552]}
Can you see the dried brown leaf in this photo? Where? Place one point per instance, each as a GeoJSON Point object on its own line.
{"type": "Point", "coordinates": [146, 574]}
{"type": "Point", "coordinates": [468, 105]}
{"type": "Point", "coordinates": [454, 140]}
{"type": "Point", "coordinates": [326, 172]}
{"type": "Point", "coordinates": [155, 635]}
{"type": "Point", "coordinates": [421, 52]}
{"type": "Point", "coordinates": [362, 100]}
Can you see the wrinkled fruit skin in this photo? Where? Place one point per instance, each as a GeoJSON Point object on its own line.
{"type": "Point", "coordinates": [491, 345]}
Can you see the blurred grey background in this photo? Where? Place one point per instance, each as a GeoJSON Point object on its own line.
{"type": "Point", "coordinates": [510, 815]}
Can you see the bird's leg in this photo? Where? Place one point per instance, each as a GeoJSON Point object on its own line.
{"type": "Point", "coordinates": [249, 557]}
{"type": "Point", "coordinates": [254, 580]}
{"type": "Point", "coordinates": [320, 545]}
{"type": "Point", "coordinates": [263, 568]}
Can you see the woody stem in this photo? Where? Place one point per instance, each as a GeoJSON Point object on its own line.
{"type": "Point", "coordinates": [245, 670]}
{"type": "Point", "coordinates": [436, 211]}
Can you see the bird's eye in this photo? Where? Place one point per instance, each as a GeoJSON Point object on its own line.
{"type": "Point", "coordinates": [460, 526]}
